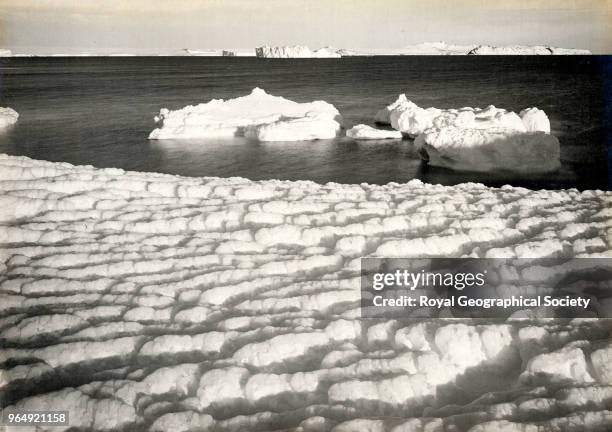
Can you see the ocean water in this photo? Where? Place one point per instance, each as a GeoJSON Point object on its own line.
{"type": "Point", "coordinates": [99, 111]}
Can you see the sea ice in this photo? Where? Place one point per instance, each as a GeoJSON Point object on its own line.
{"type": "Point", "coordinates": [8, 117]}
{"type": "Point", "coordinates": [258, 115]}
{"type": "Point", "coordinates": [149, 301]}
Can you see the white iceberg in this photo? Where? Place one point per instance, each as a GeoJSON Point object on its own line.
{"type": "Point", "coordinates": [8, 117]}
{"type": "Point", "coordinates": [202, 53]}
{"type": "Point", "coordinates": [365, 132]}
{"type": "Point", "coordinates": [258, 115]}
{"type": "Point", "coordinates": [296, 51]}
{"type": "Point", "coordinates": [5, 52]}
{"type": "Point", "coordinates": [477, 139]}
{"type": "Point", "coordinates": [179, 298]}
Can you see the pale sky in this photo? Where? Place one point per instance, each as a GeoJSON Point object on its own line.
{"type": "Point", "coordinates": [52, 26]}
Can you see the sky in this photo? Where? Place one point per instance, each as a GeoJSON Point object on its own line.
{"type": "Point", "coordinates": [54, 26]}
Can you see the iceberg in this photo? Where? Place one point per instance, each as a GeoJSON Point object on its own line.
{"type": "Point", "coordinates": [477, 139]}
{"type": "Point", "coordinates": [258, 115]}
{"type": "Point", "coordinates": [201, 53]}
{"type": "Point", "coordinates": [8, 117]}
{"type": "Point", "coordinates": [5, 53]}
{"type": "Point", "coordinates": [365, 132]}
{"type": "Point", "coordinates": [205, 303]}
{"type": "Point", "coordinates": [296, 51]}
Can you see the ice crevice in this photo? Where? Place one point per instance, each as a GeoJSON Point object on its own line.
{"type": "Point", "coordinates": [161, 302]}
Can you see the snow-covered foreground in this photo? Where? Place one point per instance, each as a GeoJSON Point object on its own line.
{"type": "Point", "coordinates": [8, 117]}
{"type": "Point", "coordinates": [258, 115]}
{"type": "Point", "coordinates": [142, 301]}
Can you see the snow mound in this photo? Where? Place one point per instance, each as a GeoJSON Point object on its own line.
{"type": "Point", "coordinates": [8, 117]}
{"type": "Point", "coordinates": [524, 50]}
{"type": "Point", "coordinates": [143, 301]}
{"type": "Point", "coordinates": [365, 132]}
{"type": "Point", "coordinates": [296, 51]}
{"type": "Point", "coordinates": [477, 139]}
{"type": "Point", "coordinates": [258, 115]}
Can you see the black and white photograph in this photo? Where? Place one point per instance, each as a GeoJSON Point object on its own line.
{"type": "Point", "coordinates": [306, 215]}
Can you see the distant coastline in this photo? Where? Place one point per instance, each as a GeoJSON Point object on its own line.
{"type": "Point", "coordinates": [301, 51]}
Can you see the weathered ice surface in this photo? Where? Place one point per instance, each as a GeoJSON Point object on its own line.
{"type": "Point", "coordinates": [142, 301]}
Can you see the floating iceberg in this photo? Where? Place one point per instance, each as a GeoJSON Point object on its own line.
{"type": "Point", "coordinates": [477, 139]}
{"type": "Point", "coordinates": [365, 132]}
{"type": "Point", "coordinates": [8, 117]}
{"type": "Point", "coordinates": [296, 51]}
{"type": "Point", "coordinates": [258, 115]}
{"type": "Point", "coordinates": [232, 305]}
{"type": "Point", "coordinates": [5, 53]}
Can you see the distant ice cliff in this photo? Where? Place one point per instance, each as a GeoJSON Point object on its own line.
{"type": "Point", "coordinates": [297, 51]}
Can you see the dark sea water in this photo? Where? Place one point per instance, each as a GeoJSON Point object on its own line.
{"type": "Point", "coordinates": [100, 111]}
